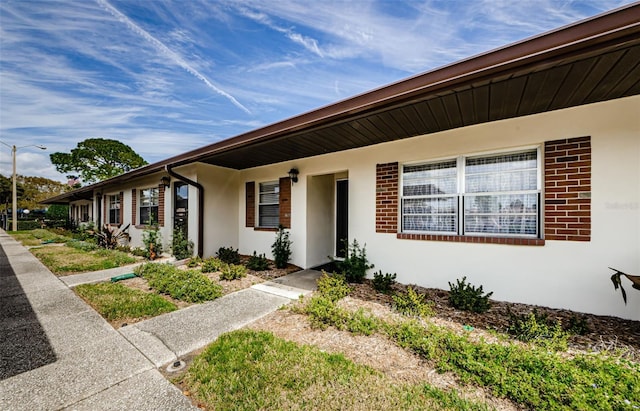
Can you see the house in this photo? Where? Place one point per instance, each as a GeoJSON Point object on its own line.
{"type": "Point", "coordinates": [518, 168]}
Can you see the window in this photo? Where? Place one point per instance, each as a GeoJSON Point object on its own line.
{"type": "Point", "coordinates": [114, 209]}
{"type": "Point", "coordinates": [269, 204]}
{"type": "Point", "coordinates": [476, 195]}
{"type": "Point", "coordinates": [84, 213]}
{"type": "Point", "coordinates": [149, 206]}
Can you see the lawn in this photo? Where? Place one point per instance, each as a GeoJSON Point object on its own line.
{"type": "Point", "coordinates": [65, 260]}
{"type": "Point", "coordinates": [250, 370]}
{"type": "Point", "coordinates": [118, 303]}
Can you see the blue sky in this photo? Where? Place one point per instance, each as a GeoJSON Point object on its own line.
{"type": "Point", "coordinates": [169, 76]}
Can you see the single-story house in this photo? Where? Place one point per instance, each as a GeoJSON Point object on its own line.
{"type": "Point", "coordinates": [518, 168]}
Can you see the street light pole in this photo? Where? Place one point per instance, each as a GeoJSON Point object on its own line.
{"type": "Point", "coordinates": [14, 204]}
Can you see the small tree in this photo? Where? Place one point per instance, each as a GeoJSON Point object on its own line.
{"type": "Point", "coordinates": [281, 248]}
{"type": "Point", "coordinates": [152, 240]}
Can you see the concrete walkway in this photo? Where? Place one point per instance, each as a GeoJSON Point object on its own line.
{"type": "Point", "coordinates": [58, 353]}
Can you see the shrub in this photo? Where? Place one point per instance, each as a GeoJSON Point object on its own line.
{"type": "Point", "coordinates": [212, 264]}
{"type": "Point", "coordinates": [383, 282]}
{"type": "Point", "coordinates": [411, 303]}
{"type": "Point", "coordinates": [112, 237]}
{"type": "Point", "coordinates": [578, 325]}
{"type": "Point", "coordinates": [186, 285]}
{"type": "Point", "coordinates": [464, 296]}
{"type": "Point", "coordinates": [181, 246]}
{"type": "Point", "coordinates": [323, 312]}
{"type": "Point", "coordinates": [139, 252]}
{"type": "Point", "coordinates": [355, 265]}
{"type": "Point", "coordinates": [81, 245]}
{"type": "Point", "coordinates": [537, 328]}
{"type": "Point", "coordinates": [362, 322]}
{"type": "Point", "coordinates": [281, 248]}
{"type": "Point", "coordinates": [228, 255]}
{"type": "Point", "coordinates": [258, 262]}
{"type": "Point", "coordinates": [233, 272]}
{"type": "Point", "coordinates": [334, 287]}
{"type": "Point", "coordinates": [152, 240]}
{"type": "Point", "coordinates": [194, 261]}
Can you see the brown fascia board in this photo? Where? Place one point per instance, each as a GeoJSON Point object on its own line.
{"type": "Point", "coordinates": [597, 30]}
{"type": "Point", "coordinates": [586, 34]}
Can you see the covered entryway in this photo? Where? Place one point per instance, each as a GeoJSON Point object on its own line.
{"type": "Point", "coordinates": [327, 217]}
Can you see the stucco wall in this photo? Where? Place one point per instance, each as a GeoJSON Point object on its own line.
{"type": "Point", "coordinates": [560, 274]}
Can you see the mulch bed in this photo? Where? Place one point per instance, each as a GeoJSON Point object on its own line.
{"type": "Point", "coordinates": [605, 332]}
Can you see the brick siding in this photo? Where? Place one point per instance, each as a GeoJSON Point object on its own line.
{"type": "Point", "coordinates": [134, 205]}
{"type": "Point", "coordinates": [285, 202]}
{"type": "Point", "coordinates": [387, 198]}
{"type": "Point", "coordinates": [161, 193]}
{"type": "Point", "coordinates": [567, 188]}
{"type": "Point", "coordinates": [250, 204]}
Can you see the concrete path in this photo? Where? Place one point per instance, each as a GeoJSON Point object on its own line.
{"type": "Point", "coordinates": [58, 353]}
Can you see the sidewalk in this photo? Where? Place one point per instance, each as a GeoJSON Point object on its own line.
{"type": "Point", "coordinates": [58, 353]}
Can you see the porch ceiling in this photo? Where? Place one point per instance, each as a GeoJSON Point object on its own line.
{"type": "Point", "coordinates": [587, 62]}
{"type": "Point", "coordinates": [592, 76]}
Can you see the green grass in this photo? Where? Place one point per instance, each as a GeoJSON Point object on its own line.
{"type": "Point", "coordinates": [64, 260]}
{"type": "Point", "coordinates": [250, 370]}
{"type": "Point", "coordinates": [530, 375]}
{"type": "Point", "coordinates": [37, 236]}
{"type": "Point", "coordinates": [115, 301]}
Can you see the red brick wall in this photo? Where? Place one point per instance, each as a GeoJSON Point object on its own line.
{"type": "Point", "coordinates": [121, 207]}
{"type": "Point", "coordinates": [387, 198]}
{"type": "Point", "coordinates": [567, 187]}
{"type": "Point", "coordinates": [134, 205]}
{"type": "Point", "coordinates": [161, 190]}
{"type": "Point", "coordinates": [250, 204]}
{"type": "Point", "coordinates": [285, 202]}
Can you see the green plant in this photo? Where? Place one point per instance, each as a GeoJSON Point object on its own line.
{"type": "Point", "coordinates": [186, 285]}
{"type": "Point", "coordinates": [334, 287]}
{"type": "Point", "coordinates": [578, 325]}
{"type": "Point", "coordinates": [233, 272]}
{"type": "Point", "coordinates": [535, 327]}
{"type": "Point", "coordinates": [110, 237]}
{"type": "Point", "coordinates": [281, 248]}
{"type": "Point", "coordinates": [383, 282]}
{"type": "Point", "coordinates": [139, 252]}
{"type": "Point", "coordinates": [228, 255]}
{"type": "Point", "coordinates": [152, 240]}
{"type": "Point", "coordinates": [258, 262]}
{"type": "Point", "coordinates": [212, 264]}
{"type": "Point", "coordinates": [115, 301]}
{"type": "Point", "coordinates": [194, 261]}
{"type": "Point", "coordinates": [81, 245]}
{"type": "Point", "coordinates": [464, 296]}
{"type": "Point", "coordinates": [411, 303]}
{"type": "Point", "coordinates": [181, 246]}
{"type": "Point", "coordinates": [355, 265]}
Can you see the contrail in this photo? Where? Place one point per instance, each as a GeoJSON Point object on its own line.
{"type": "Point", "coordinates": [168, 52]}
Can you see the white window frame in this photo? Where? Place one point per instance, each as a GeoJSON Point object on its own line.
{"type": "Point", "coordinates": [153, 217]}
{"type": "Point", "coordinates": [114, 209]}
{"type": "Point", "coordinates": [462, 193]}
{"type": "Point", "coordinates": [263, 205]}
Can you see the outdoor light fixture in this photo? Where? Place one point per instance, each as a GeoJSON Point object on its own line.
{"type": "Point", "coordinates": [166, 181]}
{"type": "Point", "coordinates": [14, 205]}
{"type": "Point", "coordinates": [293, 175]}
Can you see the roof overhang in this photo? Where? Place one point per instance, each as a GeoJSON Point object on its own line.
{"type": "Point", "coordinates": [593, 60]}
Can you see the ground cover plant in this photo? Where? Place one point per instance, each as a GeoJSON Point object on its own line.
{"type": "Point", "coordinates": [237, 372]}
{"type": "Point", "coordinates": [186, 285]}
{"type": "Point", "coordinates": [116, 302]}
{"type": "Point", "coordinates": [530, 375]}
{"type": "Point", "coordinates": [65, 260]}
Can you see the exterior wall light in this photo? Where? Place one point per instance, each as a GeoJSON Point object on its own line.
{"type": "Point", "coordinates": [166, 181]}
{"type": "Point", "coordinates": [293, 175]}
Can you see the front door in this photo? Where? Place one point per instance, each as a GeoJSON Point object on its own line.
{"type": "Point", "coordinates": [342, 217]}
{"type": "Point", "coordinates": [181, 207]}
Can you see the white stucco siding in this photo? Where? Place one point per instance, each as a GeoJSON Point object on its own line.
{"type": "Point", "coordinates": [220, 214]}
{"type": "Point", "coordinates": [561, 274]}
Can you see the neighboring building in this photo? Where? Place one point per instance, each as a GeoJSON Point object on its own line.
{"type": "Point", "coordinates": [518, 168]}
